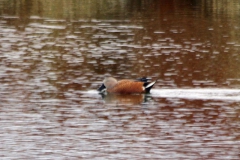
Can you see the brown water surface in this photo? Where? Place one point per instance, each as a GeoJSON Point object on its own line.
{"type": "Point", "coordinates": [55, 54]}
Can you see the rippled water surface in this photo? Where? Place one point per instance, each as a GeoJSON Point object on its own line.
{"type": "Point", "coordinates": [54, 55]}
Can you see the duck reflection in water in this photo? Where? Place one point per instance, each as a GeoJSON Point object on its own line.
{"type": "Point", "coordinates": [126, 91]}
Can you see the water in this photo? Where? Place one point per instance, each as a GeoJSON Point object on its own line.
{"type": "Point", "coordinates": [52, 61]}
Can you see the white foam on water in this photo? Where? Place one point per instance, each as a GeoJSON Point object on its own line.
{"type": "Point", "coordinates": [208, 93]}
{"type": "Point", "coordinates": [203, 94]}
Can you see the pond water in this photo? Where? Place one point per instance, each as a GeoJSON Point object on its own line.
{"type": "Point", "coordinates": [55, 54]}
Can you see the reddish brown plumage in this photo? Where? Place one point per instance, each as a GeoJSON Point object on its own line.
{"type": "Point", "coordinates": [127, 86]}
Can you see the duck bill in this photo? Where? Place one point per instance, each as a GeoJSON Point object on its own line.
{"type": "Point", "coordinates": [102, 88]}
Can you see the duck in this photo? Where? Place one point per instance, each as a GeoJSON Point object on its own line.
{"type": "Point", "coordinates": [126, 86]}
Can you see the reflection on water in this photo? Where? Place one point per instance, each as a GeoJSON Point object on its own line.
{"type": "Point", "coordinates": [119, 99]}
{"type": "Point", "coordinates": [52, 59]}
